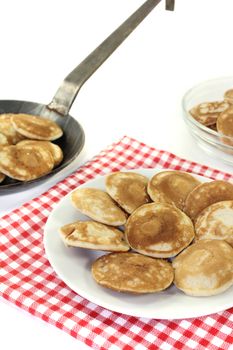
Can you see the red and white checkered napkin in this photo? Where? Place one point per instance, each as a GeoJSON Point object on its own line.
{"type": "Point", "coordinates": [28, 281]}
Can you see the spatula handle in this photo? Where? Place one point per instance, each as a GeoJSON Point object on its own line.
{"type": "Point", "coordinates": [70, 87]}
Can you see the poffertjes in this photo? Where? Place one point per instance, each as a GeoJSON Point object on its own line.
{"type": "Point", "coordinates": [12, 137]}
{"type": "Point", "coordinates": [159, 230]}
{"type": "Point", "coordinates": [36, 127]}
{"type": "Point", "coordinates": [98, 205]}
{"type": "Point", "coordinates": [171, 187]}
{"type": "Point", "coordinates": [25, 164]}
{"type": "Point", "coordinates": [132, 273]}
{"type": "Point", "coordinates": [225, 125]}
{"type": "Point", "coordinates": [216, 222]}
{"type": "Point", "coordinates": [205, 268]}
{"type": "Point", "coordinates": [207, 113]}
{"type": "Point", "coordinates": [206, 194]}
{"type": "Point", "coordinates": [93, 235]}
{"type": "Point", "coordinates": [128, 189]}
{"type": "Point", "coordinates": [54, 149]}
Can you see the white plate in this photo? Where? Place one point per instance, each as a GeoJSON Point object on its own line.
{"type": "Point", "coordinates": [73, 266]}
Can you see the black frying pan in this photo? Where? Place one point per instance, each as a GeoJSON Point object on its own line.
{"type": "Point", "coordinates": [72, 140]}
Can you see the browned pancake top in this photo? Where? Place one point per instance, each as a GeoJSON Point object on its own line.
{"type": "Point", "coordinates": [128, 189]}
{"type": "Point", "coordinates": [160, 230]}
{"type": "Point", "coordinates": [225, 122]}
{"type": "Point", "coordinates": [204, 267]}
{"type": "Point", "coordinates": [25, 164]}
{"type": "Point", "coordinates": [36, 127]}
{"type": "Point", "coordinates": [131, 272]}
{"type": "Point", "coordinates": [206, 194]}
{"type": "Point", "coordinates": [171, 187]}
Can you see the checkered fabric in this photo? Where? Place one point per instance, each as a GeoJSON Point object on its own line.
{"type": "Point", "coordinates": [28, 281]}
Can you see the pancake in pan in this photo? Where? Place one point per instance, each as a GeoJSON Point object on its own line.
{"type": "Point", "coordinates": [159, 230]}
{"type": "Point", "coordinates": [6, 128]}
{"type": "Point", "coordinates": [206, 194]}
{"type": "Point", "coordinates": [98, 205]}
{"type": "Point", "coordinates": [132, 273]}
{"type": "Point", "coordinates": [205, 268]}
{"type": "Point", "coordinates": [25, 164]}
{"type": "Point", "coordinates": [93, 235]}
{"type": "Point", "coordinates": [54, 149]}
{"type": "Point", "coordinates": [171, 187]}
{"type": "Point", "coordinates": [216, 222]}
{"type": "Point", "coordinates": [128, 189]}
{"type": "Point", "coordinates": [35, 127]}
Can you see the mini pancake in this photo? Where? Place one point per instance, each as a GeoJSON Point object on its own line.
{"type": "Point", "coordinates": [225, 125]}
{"type": "Point", "coordinates": [205, 268]}
{"type": "Point", "coordinates": [206, 194]}
{"type": "Point", "coordinates": [99, 206]}
{"type": "Point", "coordinates": [6, 129]}
{"type": "Point", "coordinates": [35, 127]}
{"type": "Point", "coordinates": [132, 273]}
{"type": "Point", "coordinates": [159, 230]}
{"type": "Point", "coordinates": [128, 189]}
{"type": "Point", "coordinates": [54, 149]}
{"type": "Point", "coordinates": [216, 222]}
{"type": "Point", "coordinates": [93, 235]}
{"type": "Point", "coordinates": [2, 177]}
{"type": "Point", "coordinates": [171, 187]}
{"type": "Point", "coordinates": [24, 164]}
{"type": "Point", "coordinates": [207, 113]}
{"type": "Point", "coordinates": [228, 96]}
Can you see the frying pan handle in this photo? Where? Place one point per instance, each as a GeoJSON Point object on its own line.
{"type": "Point", "coordinates": [65, 95]}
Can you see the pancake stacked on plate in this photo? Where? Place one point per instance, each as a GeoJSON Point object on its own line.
{"type": "Point", "coordinates": [26, 150]}
{"type": "Point", "coordinates": [170, 228]}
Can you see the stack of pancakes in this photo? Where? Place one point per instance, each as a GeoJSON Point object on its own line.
{"type": "Point", "coordinates": [167, 229]}
{"type": "Point", "coordinates": [217, 115]}
{"type": "Point", "coordinates": [26, 150]}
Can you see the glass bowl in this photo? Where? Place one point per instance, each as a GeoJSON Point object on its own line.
{"type": "Point", "coordinates": [211, 141]}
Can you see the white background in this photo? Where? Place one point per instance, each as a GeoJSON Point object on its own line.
{"type": "Point", "coordinates": [137, 92]}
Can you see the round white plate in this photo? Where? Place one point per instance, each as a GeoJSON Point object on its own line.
{"type": "Point", "coordinates": [73, 266]}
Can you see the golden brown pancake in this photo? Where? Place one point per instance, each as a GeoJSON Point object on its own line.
{"type": "Point", "coordinates": [205, 268]}
{"type": "Point", "coordinates": [207, 113]}
{"type": "Point", "coordinates": [98, 205]}
{"type": "Point", "coordinates": [159, 230]}
{"type": "Point", "coordinates": [171, 187]}
{"type": "Point", "coordinates": [225, 125]}
{"type": "Point", "coordinates": [93, 235]}
{"type": "Point", "coordinates": [35, 127]}
{"type": "Point", "coordinates": [228, 96]}
{"type": "Point", "coordinates": [2, 177]}
{"type": "Point", "coordinates": [128, 189]}
{"type": "Point", "coordinates": [7, 129]}
{"type": "Point", "coordinates": [24, 164]}
{"type": "Point", "coordinates": [216, 222]}
{"type": "Point", "coordinates": [54, 149]}
{"type": "Point", "coordinates": [206, 194]}
{"type": "Point", "coordinates": [132, 273]}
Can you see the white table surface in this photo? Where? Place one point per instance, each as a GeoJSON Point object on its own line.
{"type": "Point", "coordinates": [137, 92]}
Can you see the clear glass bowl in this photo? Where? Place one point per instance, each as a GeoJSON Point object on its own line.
{"type": "Point", "coordinates": [211, 141]}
